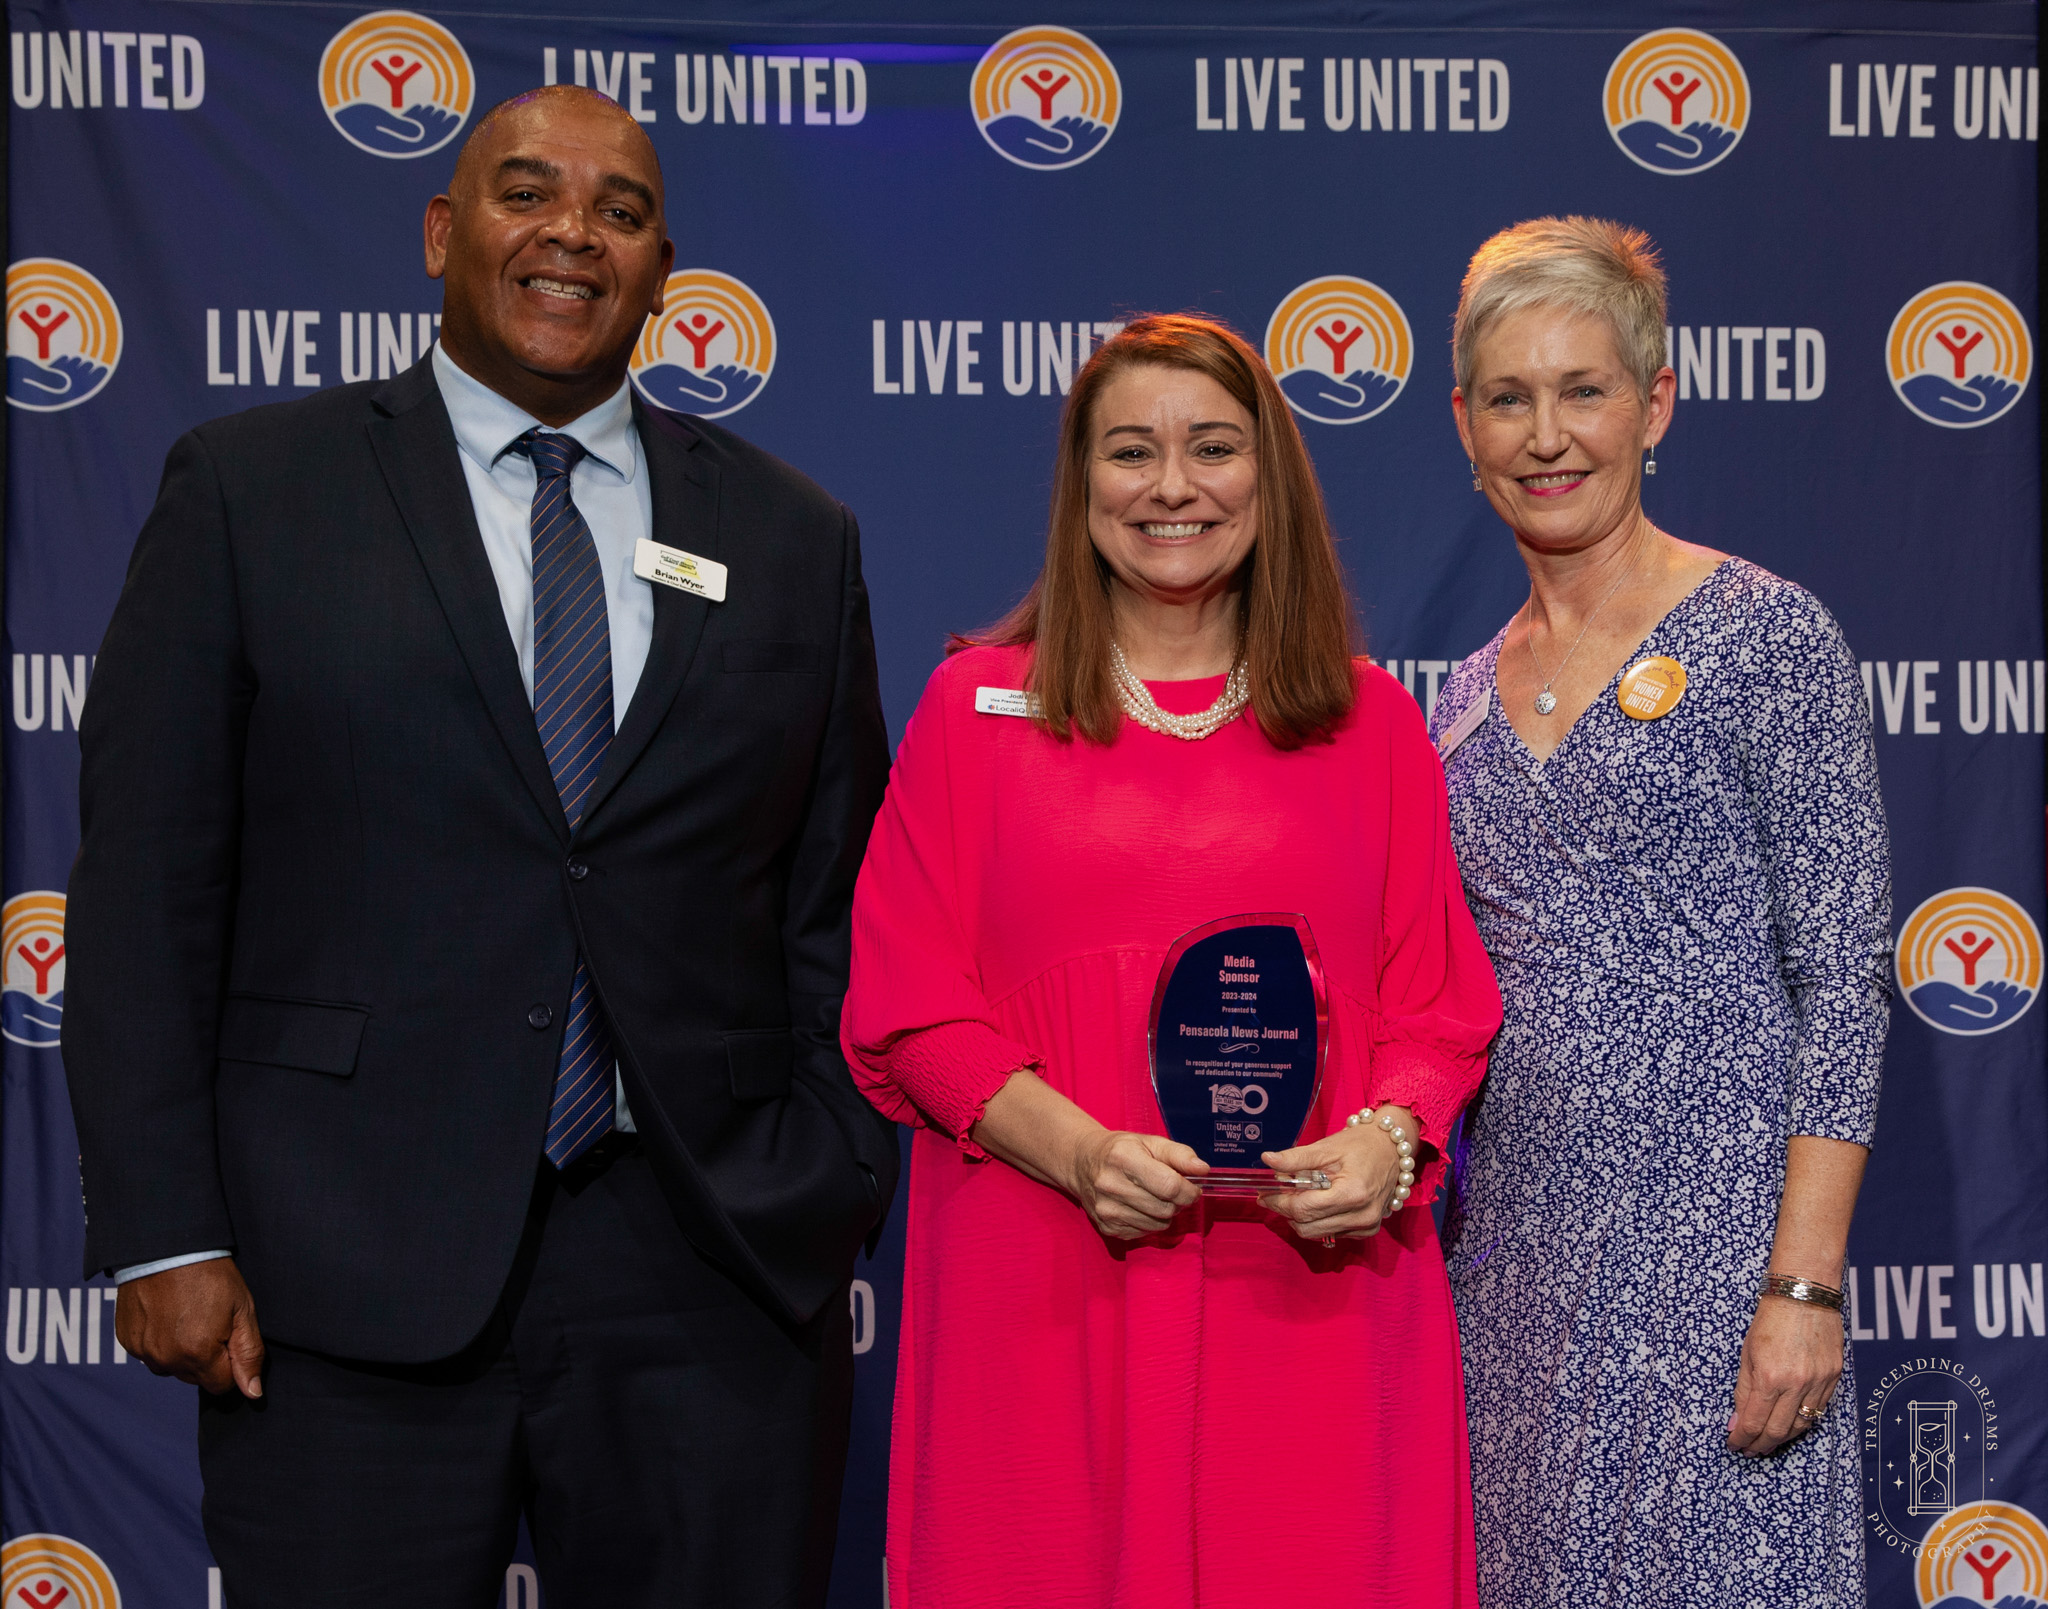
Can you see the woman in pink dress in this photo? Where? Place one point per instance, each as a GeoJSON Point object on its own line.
{"type": "Point", "coordinates": [1112, 1389]}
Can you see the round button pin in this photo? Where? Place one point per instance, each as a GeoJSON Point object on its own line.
{"type": "Point", "coordinates": [1651, 688]}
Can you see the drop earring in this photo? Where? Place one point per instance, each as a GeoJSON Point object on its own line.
{"type": "Point", "coordinates": [1474, 467]}
{"type": "Point", "coordinates": [1650, 467]}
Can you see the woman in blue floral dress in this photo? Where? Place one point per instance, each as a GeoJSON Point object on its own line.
{"type": "Point", "coordinates": [1664, 799]}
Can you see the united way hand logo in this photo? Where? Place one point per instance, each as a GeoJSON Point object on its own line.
{"type": "Point", "coordinates": [711, 349]}
{"type": "Point", "coordinates": [1959, 354]}
{"type": "Point", "coordinates": [32, 972]}
{"type": "Point", "coordinates": [63, 335]}
{"type": "Point", "coordinates": [1340, 349]}
{"type": "Point", "coordinates": [1984, 1553]}
{"type": "Point", "coordinates": [43, 1571]}
{"type": "Point", "coordinates": [396, 84]}
{"type": "Point", "coordinates": [1046, 97]}
{"type": "Point", "coordinates": [1969, 961]}
{"type": "Point", "coordinates": [1676, 101]}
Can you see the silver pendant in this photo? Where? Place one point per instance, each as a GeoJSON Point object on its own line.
{"type": "Point", "coordinates": [1545, 702]}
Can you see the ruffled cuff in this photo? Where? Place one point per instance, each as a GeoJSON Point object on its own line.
{"type": "Point", "coordinates": [1429, 1084]}
{"type": "Point", "coordinates": [942, 1076]}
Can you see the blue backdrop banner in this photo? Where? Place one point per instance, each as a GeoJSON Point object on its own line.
{"type": "Point", "coordinates": [899, 232]}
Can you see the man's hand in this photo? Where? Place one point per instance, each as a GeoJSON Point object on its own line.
{"type": "Point", "coordinates": [198, 1323]}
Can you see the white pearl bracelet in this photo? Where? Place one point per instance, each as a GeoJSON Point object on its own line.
{"type": "Point", "coordinates": [1402, 1144]}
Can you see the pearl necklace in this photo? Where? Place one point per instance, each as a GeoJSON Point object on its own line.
{"type": "Point", "coordinates": [1139, 704]}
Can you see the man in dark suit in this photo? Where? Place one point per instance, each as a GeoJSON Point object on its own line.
{"type": "Point", "coordinates": [457, 941]}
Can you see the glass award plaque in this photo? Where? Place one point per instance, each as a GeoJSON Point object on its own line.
{"type": "Point", "coordinates": [1238, 1037]}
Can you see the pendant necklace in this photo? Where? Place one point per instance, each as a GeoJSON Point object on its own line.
{"type": "Point", "coordinates": [1546, 701]}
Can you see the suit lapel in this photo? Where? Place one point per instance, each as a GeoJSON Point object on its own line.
{"type": "Point", "coordinates": [415, 447]}
{"type": "Point", "coordinates": [684, 491]}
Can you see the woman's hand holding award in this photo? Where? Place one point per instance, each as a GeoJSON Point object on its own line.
{"type": "Point", "coordinates": [1239, 1034]}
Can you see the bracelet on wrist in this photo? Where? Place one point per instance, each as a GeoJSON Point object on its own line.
{"type": "Point", "coordinates": [1811, 1292]}
{"type": "Point", "coordinates": [1404, 1148]}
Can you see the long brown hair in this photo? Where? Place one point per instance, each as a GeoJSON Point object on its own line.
{"type": "Point", "coordinates": [1299, 629]}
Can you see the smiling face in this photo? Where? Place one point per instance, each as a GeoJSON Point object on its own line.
{"type": "Point", "coordinates": [1173, 483]}
{"type": "Point", "coordinates": [1557, 428]}
{"type": "Point", "coordinates": [554, 250]}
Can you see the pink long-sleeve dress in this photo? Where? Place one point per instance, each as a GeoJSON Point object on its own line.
{"type": "Point", "coordinates": [1220, 1415]}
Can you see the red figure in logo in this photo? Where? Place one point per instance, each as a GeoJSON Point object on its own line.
{"type": "Point", "coordinates": [44, 1594]}
{"type": "Point", "coordinates": [1677, 92]}
{"type": "Point", "coordinates": [43, 960]}
{"type": "Point", "coordinates": [1045, 88]}
{"type": "Point", "coordinates": [1969, 957]}
{"type": "Point", "coordinates": [44, 327]}
{"type": "Point", "coordinates": [393, 77]}
{"type": "Point", "coordinates": [1958, 348]}
{"type": "Point", "coordinates": [1338, 342]}
{"type": "Point", "coordinates": [1988, 1571]}
{"type": "Point", "coordinates": [699, 337]}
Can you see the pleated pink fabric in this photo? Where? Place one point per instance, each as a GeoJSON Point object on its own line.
{"type": "Point", "coordinates": [1220, 1415]}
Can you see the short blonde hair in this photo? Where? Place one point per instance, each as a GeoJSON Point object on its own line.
{"type": "Point", "coordinates": [1580, 265]}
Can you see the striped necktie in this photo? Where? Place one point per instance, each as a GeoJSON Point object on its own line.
{"type": "Point", "coordinates": [572, 705]}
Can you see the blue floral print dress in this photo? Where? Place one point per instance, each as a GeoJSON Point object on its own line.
{"type": "Point", "coordinates": [1690, 920]}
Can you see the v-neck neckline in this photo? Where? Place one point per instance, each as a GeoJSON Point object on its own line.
{"type": "Point", "coordinates": [1500, 704]}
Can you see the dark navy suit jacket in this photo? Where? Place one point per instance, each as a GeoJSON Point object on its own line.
{"type": "Point", "coordinates": [326, 890]}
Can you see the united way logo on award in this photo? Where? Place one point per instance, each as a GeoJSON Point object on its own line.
{"type": "Point", "coordinates": [1239, 1035]}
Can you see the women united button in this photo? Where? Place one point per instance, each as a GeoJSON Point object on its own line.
{"type": "Point", "coordinates": [1676, 101]}
{"type": "Point", "coordinates": [711, 349]}
{"type": "Point", "coordinates": [1969, 961]}
{"type": "Point", "coordinates": [1340, 348]}
{"type": "Point", "coordinates": [1959, 354]}
{"type": "Point", "coordinates": [1651, 688]}
{"type": "Point", "coordinates": [1046, 97]}
{"type": "Point", "coordinates": [63, 335]}
{"type": "Point", "coordinates": [396, 84]}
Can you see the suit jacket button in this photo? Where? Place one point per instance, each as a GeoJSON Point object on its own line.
{"type": "Point", "coordinates": [540, 1016]}
{"type": "Point", "coordinates": [578, 870]}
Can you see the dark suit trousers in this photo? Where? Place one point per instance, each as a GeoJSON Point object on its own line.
{"type": "Point", "coordinates": [668, 1441]}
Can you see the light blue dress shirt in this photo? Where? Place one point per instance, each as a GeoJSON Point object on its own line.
{"type": "Point", "coordinates": [609, 487]}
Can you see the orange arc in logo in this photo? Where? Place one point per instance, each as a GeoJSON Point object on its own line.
{"type": "Point", "coordinates": [2001, 1541]}
{"type": "Point", "coordinates": [452, 84]}
{"type": "Point", "coordinates": [1721, 74]}
{"type": "Point", "coordinates": [1295, 319]}
{"type": "Point", "coordinates": [723, 298]}
{"type": "Point", "coordinates": [45, 1570]}
{"type": "Point", "coordinates": [2012, 348]}
{"type": "Point", "coordinates": [1058, 49]}
{"type": "Point", "coordinates": [29, 917]}
{"type": "Point", "coordinates": [2001, 920]}
{"type": "Point", "coordinates": [36, 279]}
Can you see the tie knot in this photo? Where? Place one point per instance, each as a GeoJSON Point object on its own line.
{"type": "Point", "coordinates": [551, 452]}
